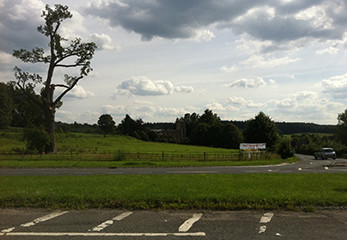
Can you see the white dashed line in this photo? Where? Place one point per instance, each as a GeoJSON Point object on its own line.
{"type": "Point", "coordinates": [43, 219]}
{"type": "Point", "coordinates": [266, 218]}
{"type": "Point", "coordinates": [300, 169]}
{"type": "Point", "coordinates": [110, 222]}
{"type": "Point", "coordinates": [262, 229]}
{"type": "Point", "coordinates": [8, 230]}
{"type": "Point", "coordinates": [189, 223]}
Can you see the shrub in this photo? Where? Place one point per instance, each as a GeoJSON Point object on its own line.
{"type": "Point", "coordinates": [120, 155]}
{"type": "Point", "coordinates": [37, 139]}
{"type": "Point", "coordinates": [284, 149]}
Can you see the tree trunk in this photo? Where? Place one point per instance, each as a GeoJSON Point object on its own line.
{"type": "Point", "coordinates": [49, 110]}
{"type": "Point", "coordinates": [50, 128]}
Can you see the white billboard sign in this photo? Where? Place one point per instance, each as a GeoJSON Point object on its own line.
{"type": "Point", "coordinates": [252, 146]}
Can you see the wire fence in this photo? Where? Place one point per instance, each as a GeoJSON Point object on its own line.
{"type": "Point", "coordinates": [127, 156]}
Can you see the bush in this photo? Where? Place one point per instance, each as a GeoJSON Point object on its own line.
{"type": "Point", "coordinates": [284, 149]}
{"type": "Point", "coordinates": [120, 155]}
{"type": "Point", "coordinates": [37, 139]}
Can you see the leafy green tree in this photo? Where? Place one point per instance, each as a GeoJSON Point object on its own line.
{"type": "Point", "coordinates": [209, 117]}
{"type": "Point", "coordinates": [25, 113]}
{"type": "Point", "coordinates": [135, 128]}
{"type": "Point", "coordinates": [232, 136]}
{"type": "Point", "coordinates": [60, 55]}
{"type": "Point", "coordinates": [6, 106]}
{"type": "Point", "coordinates": [106, 124]}
{"type": "Point", "coordinates": [341, 132]}
{"type": "Point", "coordinates": [285, 149]}
{"type": "Point", "coordinates": [261, 129]}
{"type": "Point", "coordinates": [199, 135]}
{"type": "Point", "coordinates": [191, 120]}
{"type": "Point", "coordinates": [209, 130]}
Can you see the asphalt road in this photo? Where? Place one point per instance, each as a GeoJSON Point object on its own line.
{"type": "Point", "coordinates": [27, 224]}
{"type": "Point", "coordinates": [307, 164]}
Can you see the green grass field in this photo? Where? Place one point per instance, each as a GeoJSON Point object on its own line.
{"type": "Point", "coordinates": [93, 150]}
{"type": "Point", "coordinates": [215, 192]}
{"type": "Point", "coordinates": [10, 141]}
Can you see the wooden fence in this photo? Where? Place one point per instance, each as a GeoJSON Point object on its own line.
{"type": "Point", "coordinates": [126, 156]}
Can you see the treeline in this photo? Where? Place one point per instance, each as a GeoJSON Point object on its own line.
{"type": "Point", "coordinates": [284, 128]}
{"type": "Point", "coordinates": [17, 110]}
{"type": "Point", "coordinates": [208, 130]}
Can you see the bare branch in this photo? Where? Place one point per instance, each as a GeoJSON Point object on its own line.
{"type": "Point", "coordinates": [60, 85]}
{"type": "Point", "coordinates": [67, 90]}
{"type": "Point", "coordinates": [68, 66]}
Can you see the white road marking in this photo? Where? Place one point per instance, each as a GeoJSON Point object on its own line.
{"type": "Point", "coordinates": [189, 223]}
{"type": "Point", "coordinates": [299, 169]}
{"type": "Point", "coordinates": [266, 218]}
{"type": "Point", "coordinates": [326, 168]}
{"type": "Point", "coordinates": [110, 222]}
{"type": "Point", "coordinates": [8, 230]}
{"type": "Point", "coordinates": [43, 219]}
{"type": "Point", "coordinates": [72, 234]}
{"type": "Point", "coordinates": [262, 229]}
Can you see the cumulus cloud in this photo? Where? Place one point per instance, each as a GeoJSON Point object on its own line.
{"type": "Point", "coordinates": [336, 86]}
{"type": "Point", "coordinates": [145, 110]}
{"type": "Point", "coordinates": [220, 107]}
{"type": "Point", "coordinates": [248, 83]}
{"type": "Point", "coordinates": [80, 93]}
{"type": "Point", "coordinates": [204, 35]}
{"type": "Point", "coordinates": [80, 117]}
{"type": "Point", "coordinates": [103, 41]}
{"type": "Point", "coordinates": [5, 58]}
{"type": "Point", "coordinates": [242, 102]}
{"type": "Point", "coordinates": [143, 86]}
{"type": "Point", "coordinates": [276, 21]}
{"type": "Point", "coordinates": [184, 89]}
{"type": "Point", "coordinates": [305, 105]}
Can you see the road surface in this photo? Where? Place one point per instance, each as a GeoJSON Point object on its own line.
{"type": "Point", "coordinates": [307, 164]}
{"type": "Point", "coordinates": [28, 224]}
{"type": "Point", "coordinates": [41, 224]}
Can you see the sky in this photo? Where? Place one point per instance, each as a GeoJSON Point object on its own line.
{"type": "Point", "coordinates": [159, 59]}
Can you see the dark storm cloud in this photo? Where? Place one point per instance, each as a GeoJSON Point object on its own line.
{"type": "Point", "coordinates": [179, 19]}
{"type": "Point", "coordinates": [18, 24]}
{"type": "Point", "coordinates": [167, 18]}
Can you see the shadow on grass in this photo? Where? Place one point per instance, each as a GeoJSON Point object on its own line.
{"type": "Point", "coordinates": [341, 190]}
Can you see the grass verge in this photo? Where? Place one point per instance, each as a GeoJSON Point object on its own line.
{"type": "Point", "coordinates": [139, 163]}
{"type": "Point", "coordinates": [214, 192]}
